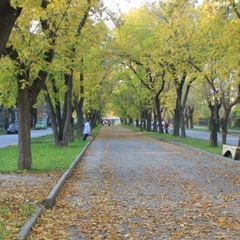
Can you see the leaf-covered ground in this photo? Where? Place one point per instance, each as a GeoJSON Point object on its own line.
{"type": "Point", "coordinates": [20, 196]}
{"type": "Point", "coordinates": [130, 186]}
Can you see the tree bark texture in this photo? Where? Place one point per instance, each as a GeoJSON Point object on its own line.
{"type": "Point", "coordinates": [155, 122]}
{"type": "Point", "coordinates": [191, 111]}
{"type": "Point", "coordinates": [8, 17]}
{"type": "Point", "coordinates": [149, 121]}
{"type": "Point", "coordinates": [214, 122]}
{"type": "Point", "coordinates": [53, 117]}
{"type": "Point", "coordinates": [176, 121]}
{"type": "Point", "coordinates": [186, 119]}
{"type": "Point", "coordinates": [159, 113]}
{"type": "Point", "coordinates": [79, 104]}
{"type": "Point", "coordinates": [80, 119]}
{"type": "Point", "coordinates": [57, 116]}
{"type": "Point", "coordinates": [67, 133]}
{"type": "Point", "coordinates": [181, 102]}
{"type": "Point", "coordinates": [24, 136]}
{"type": "Point", "coordinates": [224, 123]}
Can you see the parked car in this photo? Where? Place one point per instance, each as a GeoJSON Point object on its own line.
{"type": "Point", "coordinates": [12, 129]}
{"type": "Point", "coordinates": [41, 125]}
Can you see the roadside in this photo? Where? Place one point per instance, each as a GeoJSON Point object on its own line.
{"type": "Point", "coordinates": [20, 196]}
{"type": "Point", "coordinates": [22, 193]}
{"type": "Point", "coordinates": [30, 189]}
{"type": "Point", "coordinates": [131, 186]}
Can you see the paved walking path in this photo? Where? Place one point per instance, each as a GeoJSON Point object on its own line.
{"type": "Point", "coordinates": [130, 186]}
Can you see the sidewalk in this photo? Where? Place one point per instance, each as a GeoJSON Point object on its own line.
{"type": "Point", "coordinates": [130, 186]}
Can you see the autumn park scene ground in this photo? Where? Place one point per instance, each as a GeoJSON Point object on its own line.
{"type": "Point", "coordinates": [131, 186]}
{"type": "Point", "coordinates": [65, 63]}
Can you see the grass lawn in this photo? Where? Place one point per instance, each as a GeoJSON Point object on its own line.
{"type": "Point", "coordinates": [46, 156]}
{"type": "Point", "coordinates": [192, 142]}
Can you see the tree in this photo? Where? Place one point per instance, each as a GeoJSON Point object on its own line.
{"type": "Point", "coordinates": [218, 55]}
{"type": "Point", "coordinates": [32, 62]}
{"type": "Point", "coordinates": [179, 45]}
{"type": "Point", "coordinates": [138, 48]}
{"type": "Point", "coordinates": [61, 79]}
{"type": "Point", "coordinates": [127, 97]}
{"type": "Point", "coordinates": [189, 116]}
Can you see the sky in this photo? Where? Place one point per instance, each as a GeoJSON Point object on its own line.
{"type": "Point", "coordinates": [124, 5]}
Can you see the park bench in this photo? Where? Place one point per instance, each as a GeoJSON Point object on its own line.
{"type": "Point", "coordinates": [232, 152]}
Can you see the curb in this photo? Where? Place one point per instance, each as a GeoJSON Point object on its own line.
{"type": "Point", "coordinates": [236, 162]}
{"type": "Point", "coordinates": [30, 223]}
{"type": "Point", "coordinates": [49, 202]}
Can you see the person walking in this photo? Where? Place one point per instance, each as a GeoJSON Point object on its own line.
{"type": "Point", "coordinates": [87, 131]}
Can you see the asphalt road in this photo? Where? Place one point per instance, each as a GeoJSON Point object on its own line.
{"type": "Point", "coordinates": [231, 139]}
{"type": "Point", "coordinates": [12, 139]}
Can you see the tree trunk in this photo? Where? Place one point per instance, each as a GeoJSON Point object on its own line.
{"type": "Point", "coordinates": [67, 131]}
{"type": "Point", "coordinates": [182, 122]}
{"type": "Point", "coordinates": [228, 103]}
{"type": "Point", "coordinates": [159, 114]}
{"type": "Point", "coordinates": [24, 136]}
{"type": "Point", "coordinates": [144, 120]}
{"type": "Point", "coordinates": [79, 104]}
{"type": "Point", "coordinates": [53, 117]}
{"type": "Point", "coordinates": [149, 121]}
{"type": "Point", "coordinates": [155, 122]}
{"type": "Point", "coordinates": [224, 130]}
{"type": "Point", "coordinates": [137, 122]}
{"type": "Point", "coordinates": [176, 121]}
{"type": "Point", "coordinates": [95, 117]}
{"type": "Point", "coordinates": [178, 109]}
{"type": "Point", "coordinates": [57, 115]}
{"type": "Point", "coordinates": [61, 118]}
{"type": "Point", "coordinates": [130, 121]}
{"type": "Point", "coordinates": [187, 118]}
{"type": "Point", "coordinates": [80, 118]}
{"type": "Point", "coordinates": [141, 122]}
{"type": "Point", "coordinates": [181, 103]}
{"type": "Point", "coordinates": [24, 104]}
{"type": "Point", "coordinates": [8, 17]}
{"type": "Point", "coordinates": [214, 122]}
{"type": "Point", "coordinates": [191, 111]}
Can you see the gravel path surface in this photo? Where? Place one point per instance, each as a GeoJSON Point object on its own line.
{"type": "Point", "coordinates": [130, 186]}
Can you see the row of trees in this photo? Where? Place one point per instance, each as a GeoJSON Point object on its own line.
{"type": "Point", "coordinates": [171, 48]}
{"type": "Point", "coordinates": [48, 56]}
{"type": "Point", "coordinates": [64, 53]}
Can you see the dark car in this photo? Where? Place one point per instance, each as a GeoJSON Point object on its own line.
{"type": "Point", "coordinates": [12, 129]}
